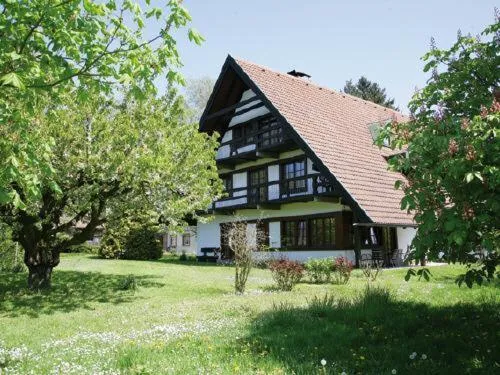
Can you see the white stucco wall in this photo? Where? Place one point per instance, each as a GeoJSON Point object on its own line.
{"type": "Point", "coordinates": [209, 233]}
{"type": "Point", "coordinates": [303, 256]}
{"type": "Point", "coordinates": [191, 248]}
{"type": "Point", "coordinates": [405, 237]}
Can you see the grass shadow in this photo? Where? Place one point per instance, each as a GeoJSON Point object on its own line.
{"type": "Point", "coordinates": [375, 334]}
{"type": "Point", "coordinates": [70, 290]}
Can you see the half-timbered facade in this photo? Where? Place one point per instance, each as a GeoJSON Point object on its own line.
{"type": "Point", "coordinates": [300, 168]}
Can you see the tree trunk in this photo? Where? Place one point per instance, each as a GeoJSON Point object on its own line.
{"type": "Point", "coordinates": [39, 277]}
{"type": "Point", "coordinates": [40, 262]}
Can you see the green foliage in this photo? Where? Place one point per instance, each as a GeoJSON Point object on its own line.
{"type": "Point", "coordinates": [342, 268]}
{"type": "Point", "coordinates": [129, 283]}
{"type": "Point", "coordinates": [52, 49]}
{"type": "Point", "coordinates": [187, 257]}
{"type": "Point", "coordinates": [142, 244]}
{"type": "Point", "coordinates": [453, 156]}
{"type": "Point", "coordinates": [11, 255]}
{"type": "Point", "coordinates": [319, 270]}
{"type": "Point", "coordinates": [286, 273]}
{"type": "Point", "coordinates": [84, 248]}
{"type": "Point", "coordinates": [367, 90]}
{"type": "Point", "coordinates": [111, 245]}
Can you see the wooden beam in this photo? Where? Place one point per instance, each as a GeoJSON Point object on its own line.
{"type": "Point", "coordinates": [264, 154]}
{"type": "Point", "coordinates": [223, 111]}
{"type": "Point", "coordinates": [357, 243]}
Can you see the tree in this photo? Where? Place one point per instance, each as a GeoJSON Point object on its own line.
{"type": "Point", "coordinates": [108, 158]}
{"type": "Point", "coordinates": [198, 92]}
{"type": "Point", "coordinates": [52, 48]}
{"type": "Point", "coordinates": [453, 156]}
{"type": "Point", "coordinates": [367, 90]}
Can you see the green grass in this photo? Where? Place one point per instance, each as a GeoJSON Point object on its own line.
{"type": "Point", "coordinates": [182, 318]}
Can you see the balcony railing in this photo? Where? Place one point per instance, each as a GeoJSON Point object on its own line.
{"type": "Point", "coordinates": [266, 139]}
{"type": "Point", "coordinates": [276, 192]}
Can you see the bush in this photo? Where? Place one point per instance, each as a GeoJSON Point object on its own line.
{"type": "Point", "coordinates": [342, 268]}
{"type": "Point", "coordinates": [11, 254]}
{"type": "Point", "coordinates": [187, 257]}
{"type": "Point", "coordinates": [286, 273]}
{"type": "Point", "coordinates": [142, 244]}
{"type": "Point", "coordinates": [129, 283]}
{"type": "Point", "coordinates": [85, 248]}
{"type": "Point", "coordinates": [111, 245]}
{"type": "Point", "coordinates": [319, 270]}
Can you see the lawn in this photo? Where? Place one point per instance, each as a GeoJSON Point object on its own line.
{"type": "Point", "coordinates": [184, 319]}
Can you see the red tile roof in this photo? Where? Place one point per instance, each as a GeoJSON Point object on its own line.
{"type": "Point", "coordinates": [336, 127]}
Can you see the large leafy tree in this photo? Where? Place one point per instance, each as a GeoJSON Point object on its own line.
{"type": "Point", "coordinates": [368, 90]}
{"type": "Point", "coordinates": [198, 91]}
{"type": "Point", "coordinates": [51, 48]}
{"type": "Point", "coordinates": [453, 156]}
{"type": "Point", "coordinates": [110, 157]}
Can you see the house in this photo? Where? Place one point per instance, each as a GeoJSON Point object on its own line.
{"type": "Point", "coordinates": [180, 242]}
{"type": "Point", "coordinates": [300, 167]}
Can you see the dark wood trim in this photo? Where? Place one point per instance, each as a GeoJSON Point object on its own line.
{"type": "Point", "coordinates": [243, 111]}
{"type": "Point", "coordinates": [232, 108]}
{"type": "Point", "coordinates": [363, 217]}
{"type": "Point", "coordinates": [269, 163]}
{"type": "Point", "coordinates": [216, 88]}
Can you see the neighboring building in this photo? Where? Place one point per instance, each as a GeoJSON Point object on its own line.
{"type": "Point", "coordinates": [300, 167]}
{"type": "Point", "coordinates": [181, 242]}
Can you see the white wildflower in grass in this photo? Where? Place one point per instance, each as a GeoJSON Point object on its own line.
{"type": "Point", "coordinates": [424, 357]}
{"type": "Point", "coordinates": [394, 371]}
{"type": "Point", "coordinates": [323, 362]}
{"type": "Point", "coordinates": [413, 355]}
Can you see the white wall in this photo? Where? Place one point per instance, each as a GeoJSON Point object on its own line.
{"type": "Point", "coordinates": [209, 233]}
{"type": "Point", "coordinates": [405, 237]}
{"type": "Point", "coordinates": [303, 256]}
{"type": "Point", "coordinates": [238, 119]}
{"type": "Point", "coordinates": [191, 248]}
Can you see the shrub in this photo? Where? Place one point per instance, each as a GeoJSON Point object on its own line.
{"type": "Point", "coordinates": [342, 268]}
{"type": "Point", "coordinates": [319, 270]}
{"type": "Point", "coordinates": [111, 245]}
{"type": "Point", "coordinates": [128, 283]}
{"type": "Point", "coordinates": [187, 257]}
{"type": "Point", "coordinates": [286, 273]}
{"type": "Point", "coordinates": [371, 271]}
{"type": "Point", "coordinates": [85, 248]}
{"type": "Point", "coordinates": [142, 244]}
{"type": "Point", "coordinates": [11, 254]}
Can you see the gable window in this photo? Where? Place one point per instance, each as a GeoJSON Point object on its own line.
{"type": "Point", "coordinates": [258, 185]}
{"type": "Point", "coordinates": [186, 239]}
{"type": "Point", "coordinates": [293, 175]}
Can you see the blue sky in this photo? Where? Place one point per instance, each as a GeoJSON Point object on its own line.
{"type": "Point", "coordinates": [331, 40]}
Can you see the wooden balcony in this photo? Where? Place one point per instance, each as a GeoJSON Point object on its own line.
{"type": "Point", "coordinates": [262, 143]}
{"type": "Point", "coordinates": [274, 193]}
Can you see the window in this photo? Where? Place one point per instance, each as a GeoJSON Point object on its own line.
{"type": "Point", "coordinates": [318, 232]}
{"type": "Point", "coordinates": [262, 235]}
{"type": "Point", "coordinates": [186, 239]}
{"type": "Point", "coordinates": [173, 240]}
{"type": "Point", "coordinates": [294, 233]}
{"type": "Point", "coordinates": [293, 175]}
{"type": "Point", "coordinates": [258, 185]}
{"type": "Point", "coordinates": [322, 231]}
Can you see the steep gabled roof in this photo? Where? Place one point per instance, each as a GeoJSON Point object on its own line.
{"type": "Point", "coordinates": [334, 127]}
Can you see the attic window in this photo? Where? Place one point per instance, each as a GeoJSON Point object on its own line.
{"type": "Point", "coordinates": [375, 129]}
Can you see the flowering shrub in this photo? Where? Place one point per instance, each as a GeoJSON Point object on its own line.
{"type": "Point", "coordinates": [342, 268]}
{"type": "Point", "coordinates": [286, 273]}
{"type": "Point", "coordinates": [319, 270]}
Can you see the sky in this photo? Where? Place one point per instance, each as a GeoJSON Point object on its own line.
{"type": "Point", "coordinates": [333, 41]}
